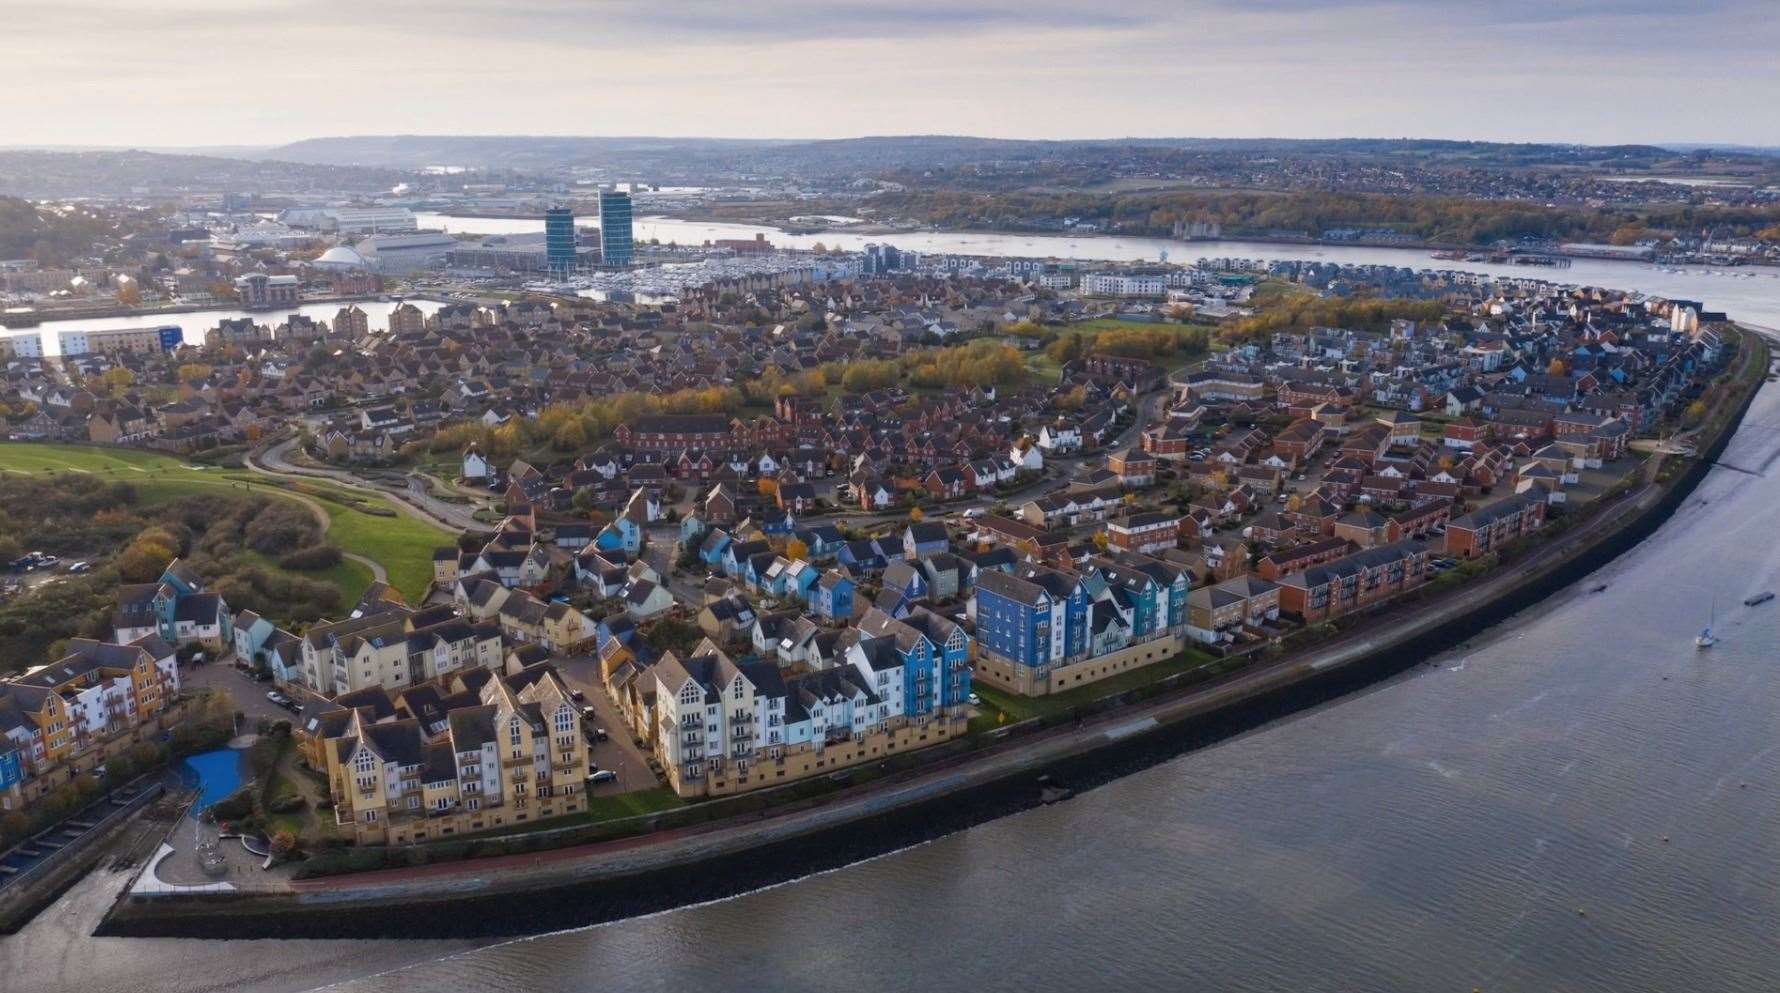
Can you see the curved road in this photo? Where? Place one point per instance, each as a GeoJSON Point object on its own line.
{"type": "Point", "coordinates": [420, 506]}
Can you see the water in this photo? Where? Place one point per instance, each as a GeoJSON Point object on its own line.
{"type": "Point", "coordinates": [218, 774]}
{"type": "Point", "coordinates": [1749, 293]}
{"type": "Point", "coordinates": [1580, 801]}
{"type": "Point", "coordinates": [195, 323]}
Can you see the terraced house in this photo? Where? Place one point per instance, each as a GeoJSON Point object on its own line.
{"type": "Point", "coordinates": [1044, 630]}
{"type": "Point", "coordinates": [396, 647]}
{"type": "Point", "coordinates": [68, 716]}
{"type": "Point", "coordinates": [518, 754]}
{"type": "Point", "coordinates": [1353, 581]}
{"type": "Point", "coordinates": [723, 727]}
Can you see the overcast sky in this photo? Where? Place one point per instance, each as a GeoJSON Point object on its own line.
{"type": "Point", "coordinates": [214, 72]}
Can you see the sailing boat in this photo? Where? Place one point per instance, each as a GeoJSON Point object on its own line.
{"type": "Point", "coordinates": [1706, 640]}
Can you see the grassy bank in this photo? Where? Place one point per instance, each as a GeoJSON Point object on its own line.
{"type": "Point", "coordinates": [360, 523]}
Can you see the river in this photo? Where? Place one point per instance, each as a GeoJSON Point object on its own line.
{"type": "Point", "coordinates": [1749, 293]}
{"type": "Point", "coordinates": [1577, 801]}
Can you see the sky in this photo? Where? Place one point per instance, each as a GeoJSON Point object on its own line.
{"type": "Point", "coordinates": [167, 73]}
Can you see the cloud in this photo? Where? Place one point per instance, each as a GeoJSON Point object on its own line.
{"type": "Point", "coordinates": [164, 72]}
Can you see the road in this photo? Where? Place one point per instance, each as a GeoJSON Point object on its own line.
{"type": "Point", "coordinates": [420, 506]}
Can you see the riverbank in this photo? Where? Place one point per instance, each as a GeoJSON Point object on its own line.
{"type": "Point", "coordinates": [638, 875]}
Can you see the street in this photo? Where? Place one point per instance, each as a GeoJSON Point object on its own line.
{"type": "Point", "coordinates": [618, 752]}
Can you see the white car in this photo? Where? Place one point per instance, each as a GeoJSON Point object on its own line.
{"type": "Point", "coordinates": [975, 701]}
{"type": "Point", "coordinates": [278, 698]}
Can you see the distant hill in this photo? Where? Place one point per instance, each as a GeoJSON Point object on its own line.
{"type": "Point", "coordinates": [106, 173]}
{"type": "Point", "coordinates": [779, 156]}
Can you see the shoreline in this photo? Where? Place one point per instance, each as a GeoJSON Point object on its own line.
{"type": "Point", "coordinates": [631, 876]}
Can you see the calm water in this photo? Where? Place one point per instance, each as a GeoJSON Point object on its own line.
{"type": "Point", "coordinates": [1581, 802]}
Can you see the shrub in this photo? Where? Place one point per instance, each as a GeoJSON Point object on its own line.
{"type": "Point", "coordinates": [286, 803]}
{"type": "Point", "coordinates": [234, 807]}
{"type": "Point", "coordinates": [283, 844]}
{"type": "Point", "coordinates": [312, 558]}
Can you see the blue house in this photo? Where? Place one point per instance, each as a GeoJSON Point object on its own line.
{"type": "Point", "coordinates": [737, 554]}
{"type": "Point", "coordinates": [935, 654]}
{"type": "Point", "coordinates": [904, 585]}
{"type": "Point", "coordinates": [823, 541]}
{"type": "Point", "coordinates": [777, 522]}
{"type": "Point", "coordinates": [691, 528]}
{"type": "Point", "coordinates": [711, 549]}
{"type": "Point", "coordinates": [622, 535]}
{"type": "Point", "coordinates": [176, 608]}
{"type": "Point", "coordinates": [800, 579]}
{"type": "Point", "coordinates": [861, 556]}
{"type": "Point", "coordinates": [1036, 619]}
{"type": "Point", "coordinates": [832, 597]}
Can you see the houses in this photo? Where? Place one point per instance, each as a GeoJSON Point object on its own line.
{"type": "Point", "coordinates": [175, 608]}
{"type": "Point", "coordinates": [832, 597]}
{"type": "Point", "coordinates": [1489, 528]}
{"type": "Point", "coordinates": [1148, 532]}
{"type": "Point", "coordinates": [1353, 581]}
{"type": "Point", "coordinates": [396, 648]}
{"type": "Point", "coordinates": [507, 754]}
{"type": "Point", "coordinates": [70, 714]}
{"type": "Point", "coordinates": [725, 727]}
{"type": "Point", "coordinates": [1217, 614]}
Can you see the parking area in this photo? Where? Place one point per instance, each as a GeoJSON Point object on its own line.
{"type": "Point", "coordinates": [618, 752]}
{"type": "Point", "coordinates": [249, 695]}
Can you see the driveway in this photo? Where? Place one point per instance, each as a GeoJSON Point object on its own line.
{"type": "Point", "coordinates": [618, 752]}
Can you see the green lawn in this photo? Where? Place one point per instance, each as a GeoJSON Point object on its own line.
{"type": "Point", "coordinates": [401, 544]}
{"type": "Point", "coordinates": [997, 704]}
{"type": "Point", "coordinates": [618, 805]}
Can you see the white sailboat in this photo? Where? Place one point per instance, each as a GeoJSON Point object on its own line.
{"type": "Point", "coordinates": [1706, 638]}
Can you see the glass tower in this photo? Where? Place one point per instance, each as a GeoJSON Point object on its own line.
{"type": "Point", "coordinates": [559, 241]}
{"type": "Point", "coordinates": [615, 245]}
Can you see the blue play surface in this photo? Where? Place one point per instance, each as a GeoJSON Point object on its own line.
{"type": "Point", "coordinates": [218, 775]}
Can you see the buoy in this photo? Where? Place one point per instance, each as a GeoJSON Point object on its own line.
{"type": "Point", "coordinates": [1665, 839]}
{"type": "Point", "coordinates": [1581, 913]}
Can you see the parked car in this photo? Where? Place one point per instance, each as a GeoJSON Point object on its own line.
{"type": "Point", "coordinates": [577, 695]}
{"type": "Point", "coordinates": [278, 698]}
{"type": "Point", "coordinates": [975, 701]}
{"type": "Point", "coordinates": [603, 776]}
{"type": "Point", "coordinates": [600, 734]}
{"type": "Point", "coordinates": [81, 566]}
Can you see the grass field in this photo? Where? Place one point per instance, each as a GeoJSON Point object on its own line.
{"type": "Point", "coordinates": [361, 523]}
